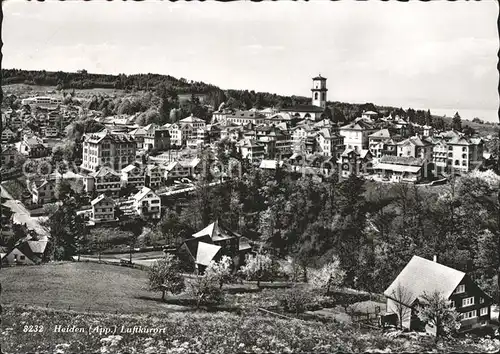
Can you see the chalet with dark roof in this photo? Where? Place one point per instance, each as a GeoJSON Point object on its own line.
{"type": "Point", "coordinates": [215, 241]}
{"type": "Point", "coordinates": [421, 276]}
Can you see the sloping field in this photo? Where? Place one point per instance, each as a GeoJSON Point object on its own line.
{"type": "Point", "coordinates": [81, 287]}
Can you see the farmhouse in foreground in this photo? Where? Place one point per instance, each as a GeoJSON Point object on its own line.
{"type": "Point", "coordinates": [422, 275]}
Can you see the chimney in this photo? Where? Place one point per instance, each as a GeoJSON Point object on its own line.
{"type": "Point", "coordinates": [435, 258]}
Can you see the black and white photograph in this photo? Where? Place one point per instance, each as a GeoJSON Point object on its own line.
{"type": "Point", "coordinates": [250, 177]}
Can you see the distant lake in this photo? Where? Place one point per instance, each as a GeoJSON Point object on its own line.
{"type": "Point", "coordinates": [489, 115]}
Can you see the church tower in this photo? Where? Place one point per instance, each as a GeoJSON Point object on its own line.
{"type": "Point", "coordinates": [319, 91]}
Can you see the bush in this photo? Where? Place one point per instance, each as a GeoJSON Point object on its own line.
{"type": "Point", "coordinates": [297, 300]}
{"type": "Point", "coordinates": [206, 291]}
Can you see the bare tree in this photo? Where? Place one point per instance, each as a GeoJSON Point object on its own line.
{"type": "Point", "coordinates": [402, 298]}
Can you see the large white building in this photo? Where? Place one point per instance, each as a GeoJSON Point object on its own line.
{"type": "Point", "coordinates": [107, 149]}
{"type": "Point", "coordinates": [356, 134]}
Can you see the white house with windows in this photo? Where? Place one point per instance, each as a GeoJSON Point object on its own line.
{"type": "Point", "coordinates": [147, 203]}
{"type": "Point", "coordinates": [103, 209]}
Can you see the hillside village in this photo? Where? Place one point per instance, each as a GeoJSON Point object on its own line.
{"type": "Point", "coordinates": [381, 211]}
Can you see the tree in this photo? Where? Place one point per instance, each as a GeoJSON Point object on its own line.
{"type": "Point", "coordinates": [136, 226]}
{"type": "Point", "coordinates": [456, 123]}
{"type": "Point", "coordinates": [258, 267]}
{"type": "Point", "coordinates": [437, 312]}
{"type": "Point", "coordinates": [296, 299]}
{"type": "Point", "coordinates": [165, 276]}
{"type": "Point", "coordinates": [67, 230]}
{"type": "Point", "coordinates": [327, 277]}
{"type": "Point", "coordinates": [220, 272]}
{"type": "Point", "coordinates": [205, 290]}
{"type": "Point", "coordinates": [402, 299]}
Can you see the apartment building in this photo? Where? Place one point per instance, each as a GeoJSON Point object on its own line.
{"type": "Point", "coordinates": [330, 143]}
{"type": "Point", "coordinates": [356, 134]}
{"type": "Point", "coordinates": [107, 149]}
{"type": "Point", "coordinates": [464, 154]}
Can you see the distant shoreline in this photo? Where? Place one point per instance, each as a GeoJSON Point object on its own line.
{"type": "Point", "coordinates": [487, 115]}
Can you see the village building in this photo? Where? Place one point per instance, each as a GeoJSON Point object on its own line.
{"type": "Point", "coordinates": [421, 276]}
{"type": "Point", "coordinates": [400, 169]}
{"type": "Point", "coordinates": [330, 143]}
{"type": "Point", "coordinates": [156, 137]}
{"type": "Point", "coordinates": [32, 146]}
{"type": "Point", "coordinates": [415, 147]}
{"type": "Point", "coordinates": [26, 252]}
{"type": "Point", "coordinates": [153, 176]}
{"type": "Point", "coordinates": [107, 149]}
{"type": "Point", "coordinates": [8, 135]}
{"type": "Point", "coordinates": [315, 110]}
{"type": "Point", "coordinates": [178, 133]}
{"type": "Point", "coordinates": [464, 154]}
{"type": "Point", "coordinates": [43, 191]}
{"type": "Point", "coordinates": [215, 241]}
{"type": "Point", "coordinates": [251, 149]}
{"type": "Point", "coordinates": [358, 162]}
{"type": "Point", "coordinates": [106, 180]}
{"type": "Point", "coordinates": [246, 117]}
{"type": "Point", "coordinates": [147, 203]}
{"type": "Point", "coordinates": [103, 209]}
{"type": "Point", "coordinates": [356, 134]}
{"type": "Point", "coordinates": [133, 176]}
{"type": "Point", "coordinates": [9, 154]}
{"type": "Point", "coordinates": [371, 115]}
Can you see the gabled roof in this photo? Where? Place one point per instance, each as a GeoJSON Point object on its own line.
{"type": "Point", "coordinates": [248, 143]}
{"type": "Point", "coordinates": [32, 249]}
{"type": "Point", "coordinates": [129, 168]}
{"type": "Point", "coordinates": [137, 132]}
{"type": "Point", "coordinates": [192, 119]}
{"type": "Point", "coordinates": [216, 232]}
{"type": "Point", "coordinates": [142, 193]}
{"type": "Point", "coordinates": [8, 131]}
{"type": "Point", "coordinates": [357, 125]}
{"type": "Point", "coordinates": [105, 171]}
{"type": "Point", "coordinates": [98, 137]}
{"type": "Point", "coordinates": [206, 253]}
{"type": "Point", "coordinates": [101, 198]}
{"type": "Point", "coordinates": [382, 133]}
{"type": "Point", "coordinates": [422, 275]}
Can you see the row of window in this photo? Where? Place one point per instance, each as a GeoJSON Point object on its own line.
{"type": "Point", "coordinates": [473, 313]}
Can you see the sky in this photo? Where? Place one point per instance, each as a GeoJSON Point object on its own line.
{"type": "Point", "coordinates": [435, 54]}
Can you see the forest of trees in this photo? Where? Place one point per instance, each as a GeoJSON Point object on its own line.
{"type": "Point", "coordinates": [374, 229]}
